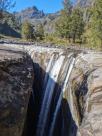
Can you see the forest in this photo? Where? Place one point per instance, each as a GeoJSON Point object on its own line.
{"type": "Point", "coordinates": [77, 24]}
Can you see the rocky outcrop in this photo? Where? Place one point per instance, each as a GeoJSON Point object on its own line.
{"type": "Point", "coordinates": [36, 17]}
{"type": "Point", "coordinates": [15, 89]}
{"type": "Point", "coordinates": [85, 3]}
{"type": "Point", "coordinates": [86, 88]}
{"type": "Point", "coordinates": [29, 13]}
{"type": "Point", "coordinates": [67, 91]}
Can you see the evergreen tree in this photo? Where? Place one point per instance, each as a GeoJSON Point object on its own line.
{"type": "Point", "coordinates": [70, 24]}
{"type": "Point", "coordinates": [27, 31]}
{"type": "Point", "coordinates": [96, 23]}
{"type": "Point", "coordinates": [77, 24]}
{"type": "Point", "coordinates": [67, 6]}
{"type": "Point", "coordinates": [63, 23]}
{"type": "Point", "coordinates": [40, 32]}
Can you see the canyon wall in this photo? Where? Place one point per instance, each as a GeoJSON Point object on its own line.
{"type": "Point", "coordinates": [63, 97]}
{"type": "Point", "coordinates": [16, 72]}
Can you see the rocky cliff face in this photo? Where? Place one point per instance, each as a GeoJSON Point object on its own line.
{"type": "Point", "coordinates": [35, 16]}
{"type": "Point", "coordinates": [9, 26]}
{"type": "Point", "coordinates": [15, 89]}
{"type": "Point", "coordinates": [84, 94]}
{"type": "Point", "coordinates": [88, 88]}
{"type": "Point", "coordinates": [66, 97]}
{"type": "Point", "coordinates": [85, 3]}
{"type": "Point", "coordinates": [29, 13]}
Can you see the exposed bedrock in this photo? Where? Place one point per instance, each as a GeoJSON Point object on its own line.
{"type": "Point", "coordinates": [86, 84]}
{"type": "Point", "coordinates": [15, 88]}
{"type": "Point", "coordinates": [66, 99]}
{"type": "Point", "coordinates": [77, 110]}
{"type": "Point", "coordinates": [74, 106]}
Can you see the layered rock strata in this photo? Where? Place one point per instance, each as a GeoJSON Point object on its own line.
{"type": "Point", "coordinates": [86, 91]}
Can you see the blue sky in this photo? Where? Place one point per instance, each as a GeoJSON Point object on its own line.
{"type": "Point", "coordinates": [48, 6]}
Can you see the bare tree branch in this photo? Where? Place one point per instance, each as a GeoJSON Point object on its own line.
{"type": "Point", "coordinates": [5, 5]}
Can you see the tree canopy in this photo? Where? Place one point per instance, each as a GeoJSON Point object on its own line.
{"type": "Point", "coordinates": [40, 32]}
{"type": "Point", "coordinates": [96, 21]}
{"type": "Point", "coordinates": [77, 24]}
{"type": "Point", "coordinates": [70, 23]}
{"type": "Point", "coordinates": [27, 30]}
{"type": "Point", "coordinates": [5, 5]}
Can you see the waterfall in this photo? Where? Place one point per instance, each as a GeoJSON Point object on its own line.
{"type": "Point", "coordinates": [48, 70]}
{"type": "Point", "coordinates": [53, 77]}
{"type": "Point", "coordinates": [69, 69]}
{"type": "Point", "coordinates": [51, 106]}
{"type": "Point", "coordinates": [56, 80]}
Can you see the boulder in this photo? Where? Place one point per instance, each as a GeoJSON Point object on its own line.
{"type": "Point", "coordinates": [15, 88]}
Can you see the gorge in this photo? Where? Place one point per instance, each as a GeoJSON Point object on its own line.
{"type": "Point", "coordinates": [48, 91]}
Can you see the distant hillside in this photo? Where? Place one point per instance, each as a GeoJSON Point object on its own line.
{"type": "Point", "coordinates": [35, 16]}
{"type": "Point", "coordinates": [6, 30]}
{"type": "Point", "coordinates": [29, 13]}
{"type": "Point", "coordinates": [85, 3]}
{"type": "Point", "coordinates": [9, 25]}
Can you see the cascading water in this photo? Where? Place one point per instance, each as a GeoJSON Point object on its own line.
{"type": "Point", "coordinates": [63, 89]}
{"type": "Point", "coordinates": [53, 77]}
{"type": "Point", "coordinates": [50, 109]}
{"type": "Point", "coordinates": [51, 122]}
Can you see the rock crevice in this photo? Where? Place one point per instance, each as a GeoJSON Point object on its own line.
{"type": "Point", "coordinates": [64, 85]}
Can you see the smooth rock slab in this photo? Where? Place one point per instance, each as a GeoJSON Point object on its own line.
{"type": "Point", "coordinates": [87, 87]}
{"type": "Point", "coordinates": [15, 88]}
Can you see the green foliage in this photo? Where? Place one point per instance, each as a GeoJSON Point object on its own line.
{"type": "Point", "coordinates": [82, 25]}
{"type": "Point", "coordinates": [77, 24]}
{"type": "Point", "coordinates": [93, 33]}
{"type": "Point", "coordinates": [96, 22]}
{"type": "Point", "coordinates": [70, 24]}
{"type": "Point", "coordinates": [67, 6]}
{"type": "Point", "coordinates": [9, 26]}
{"type": "Point", "coordinates": [62, 25]}
{"type": "Point", "coordinates": [8, 22]}
{"type": "Point", "coordinates": [52, 38]}
{"type": "Point", "coordinates": [11, 21]}
{"type": "Point", "coordinates": [40, 32]}
{"type": "Point", "coordinates": [5, 5]}
{"type": "Point", "coordinates": [27, 31]}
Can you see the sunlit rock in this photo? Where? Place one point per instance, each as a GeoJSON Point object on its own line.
{"type": "Point", "coordinates": [15, 89]}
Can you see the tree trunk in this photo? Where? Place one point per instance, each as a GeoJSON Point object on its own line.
{"type": "Point", "coordinates": [69, 39]}
{"type": "Point", "coordinates": [74, 38]}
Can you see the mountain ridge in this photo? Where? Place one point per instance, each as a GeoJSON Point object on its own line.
{"type": "Point", "coordinates": [36, 17]}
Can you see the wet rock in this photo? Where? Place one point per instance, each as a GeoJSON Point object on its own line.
{"type": "Point", "coordinates": [80, 104]}
{"type": "Point", "coordinates": [15, 89]}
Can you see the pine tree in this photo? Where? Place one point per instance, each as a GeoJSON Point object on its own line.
{"type": "Point", "coordinates": [63, 23]}
{"type": "Point", "coordinates": [40, 32]}
{"type": "Point", "coordinates": [67, 6]}
{"type": "Point", "coordinates": [77, 24]}
{"type": "Point", "coordinates": [96, 23]}
{"type": "Point", "coordinates": [27, 31]}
